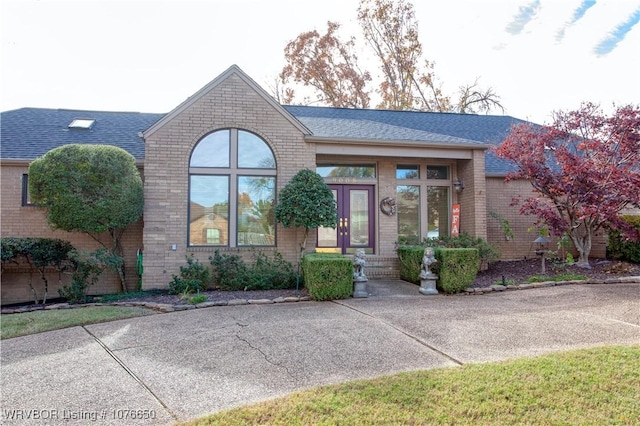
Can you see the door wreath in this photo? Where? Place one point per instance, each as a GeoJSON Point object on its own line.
{"type": "Point", "coordinates": [388, 206]}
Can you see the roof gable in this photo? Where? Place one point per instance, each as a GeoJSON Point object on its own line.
{"type": "Point", "coordinates": [233, 70]}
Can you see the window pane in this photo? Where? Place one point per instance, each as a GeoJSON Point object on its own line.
{"type": "Point", "coordinates": [26, 197]}
{"type": "Point", "coordinates": [209, 210]}
{"type": "Point", "coordinates": [437, 172]}
{"type": "Point", "coordinates": [256, 216]}
{"type": "Point", "coordinates": [407, 172]}
{"type": "Point", "coordinates": [408, 210]}
{"type": "Point", "coordinates": [343, 170]}
{"type": "Point", "coordinates": [213, 236]}
{"type": "Point", "coordinates": [212, 150]}
{"type": "Point", "coordinates": [359, 218]}
{"type": "Point", "coordinates": [438, 211]}
{"type": "Point", "coordinates": [253, 152]}
{"type": "Point", "coordinates": [328, 237]}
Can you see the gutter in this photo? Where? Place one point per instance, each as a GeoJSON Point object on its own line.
{"type": "Point", "coordinates": [397, 143]}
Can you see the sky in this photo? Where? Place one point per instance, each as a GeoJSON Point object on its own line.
{"type": "Point", "coordinates": [539, 56]}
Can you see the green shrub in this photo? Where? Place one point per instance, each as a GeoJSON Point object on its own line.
{"type": "Point", "coordinates": [457, 268]}
{"type": "Point", "coordinates": [410, 258]}
{"type": "Point", "coordinates": [87, 269]}
{"type": "Point", "coordinates": [269, 273]}
{"type": "Point", "coordinates": [306, 202]}
{"type": "Point", "coordinates": [94, 189]}
{"type": "Point", "coordinates": [40, 254]}
{"type": "Point", "coordinates": [487, 252]}
{"type": "Point", "coordinates": [231, 273]}
{"type": "Point", "coordinates": [76, 292]}
{"type": "Point", "coordinates": [193, 278]}
{"type": "Point", "coordinates": [619, 248]}
{"type": "Point", "coordinates": [327, 276]}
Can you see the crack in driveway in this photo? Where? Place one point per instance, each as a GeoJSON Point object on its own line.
{"type": "Point", "coordinates": [400, 330]}
{"type": "Point", "coordinates": [265, 356]}
{"type": "Point", "coordinates": [131, 373]}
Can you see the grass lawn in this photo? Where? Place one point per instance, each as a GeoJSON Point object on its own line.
{"type": "Point", "coordinates": [587, 387]}
{"type": "Point", "coordinates": [14, 325]}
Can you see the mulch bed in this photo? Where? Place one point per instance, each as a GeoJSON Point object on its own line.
{"type": "Point", "coordinates": [520, 270]}
{"type": "Point", "coordinates": [516, 271]}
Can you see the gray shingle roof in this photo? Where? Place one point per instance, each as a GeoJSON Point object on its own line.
{"type": "Point", "coordinates": [371, 130]}
{"type": "Point", "coordinates": [487, 129]}
{"type": "Point", "coordinates": [28, 133]}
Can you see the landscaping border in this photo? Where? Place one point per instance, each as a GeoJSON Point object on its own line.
{"type": "Point", "coordinates": [165, 307]}
{"type": "Point", "coordinates": [542, 284]}
{"type": "Point", "coordinates": [159, 307]}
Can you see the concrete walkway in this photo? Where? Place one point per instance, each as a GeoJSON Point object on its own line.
{"type": "Point", "coordinates": [177, 366]}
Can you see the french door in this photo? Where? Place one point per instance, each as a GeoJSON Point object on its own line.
{"type": "Point", "coordinates": [356, 217]}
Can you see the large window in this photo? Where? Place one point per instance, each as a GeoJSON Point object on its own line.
{"type": "Point", "coordinates": [232, 184]}
{"type": "Point", "coordinates": [408, 210]}
{"type": "Point", "coordinates": [423, 205]}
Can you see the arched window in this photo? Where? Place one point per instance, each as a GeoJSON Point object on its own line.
{"type": "Point", "coordinates": [232, 190]}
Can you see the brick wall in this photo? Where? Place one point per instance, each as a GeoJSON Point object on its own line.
{"type": "Point", "coordinates": [387, 226]}
{"type": "Point", "coordinates": [473, 198]}
{"type": "Point", "coordinates": [499, 198]}
{"type": "Point", "coordinates": [232, 103]}
{"type": "Point", "coordinates": [19, 221]}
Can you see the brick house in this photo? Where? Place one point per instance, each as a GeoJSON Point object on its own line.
{"type": "Point", "coordinates": [213, 168]}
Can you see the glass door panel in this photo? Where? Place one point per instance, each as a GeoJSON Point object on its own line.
{"type": "Point", "coordinates": [328, 237]}
{"type": "Point", "coordinates": [355, 221]}
{"type": "Point", "coordinates": [358, 224]}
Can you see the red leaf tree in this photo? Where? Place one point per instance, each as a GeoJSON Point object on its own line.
{"type": "Point", "coordinates": [584, 169]}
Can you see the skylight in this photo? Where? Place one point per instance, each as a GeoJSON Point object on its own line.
{"type": "Point", "coordinates": [82, 123]}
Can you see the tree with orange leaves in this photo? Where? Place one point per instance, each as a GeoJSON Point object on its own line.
{"type": "Point", "coordinates": [329, 66]}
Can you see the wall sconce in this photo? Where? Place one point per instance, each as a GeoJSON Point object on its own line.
{"type": "Point", "coordinates": [458, 185]}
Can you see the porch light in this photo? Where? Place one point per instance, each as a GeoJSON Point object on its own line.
{"type": "Point", "coordinates": [542, 242]}
{"type": "Point", "coordinates": [458, 185]}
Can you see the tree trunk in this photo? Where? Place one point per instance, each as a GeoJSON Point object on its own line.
{"type": "Point", "coordinates": [303, 244]}
{"type": "Point", "coordinates": [118, 251]}
{"type": "Point", "coordinates": [583, 245]}
{"type": "Point", "coordinates": [46, 285]}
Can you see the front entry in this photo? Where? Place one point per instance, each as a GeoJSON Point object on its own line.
{"type": "Point", "coordinates": [356, 221]}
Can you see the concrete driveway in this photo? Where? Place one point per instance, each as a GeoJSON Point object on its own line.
{"type": "Point", "coordinates": [178, 366]}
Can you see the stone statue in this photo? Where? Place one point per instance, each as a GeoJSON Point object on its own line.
{"type": "Point", "coordinates": [358, 266]}
{"type": "Point", "coordinates": [359, 278]}
{"type": "Point", "coordinates": [428, 259]}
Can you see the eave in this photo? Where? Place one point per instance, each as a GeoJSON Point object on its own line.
{"type": "Point", "coordinates": [394, 148]}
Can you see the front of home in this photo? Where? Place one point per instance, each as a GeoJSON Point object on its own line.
{"type": "Point", "coordinates": [214, 166]}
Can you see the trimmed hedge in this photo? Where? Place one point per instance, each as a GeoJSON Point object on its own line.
{"type": "Point", "coordinates": [487, 252]}
{"type": "Point", "coordinates": [327, 276]}
{"type": "Point", "coordinates": [411, 262]}
{"type": "Point", "coordinates": [458, 268]}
